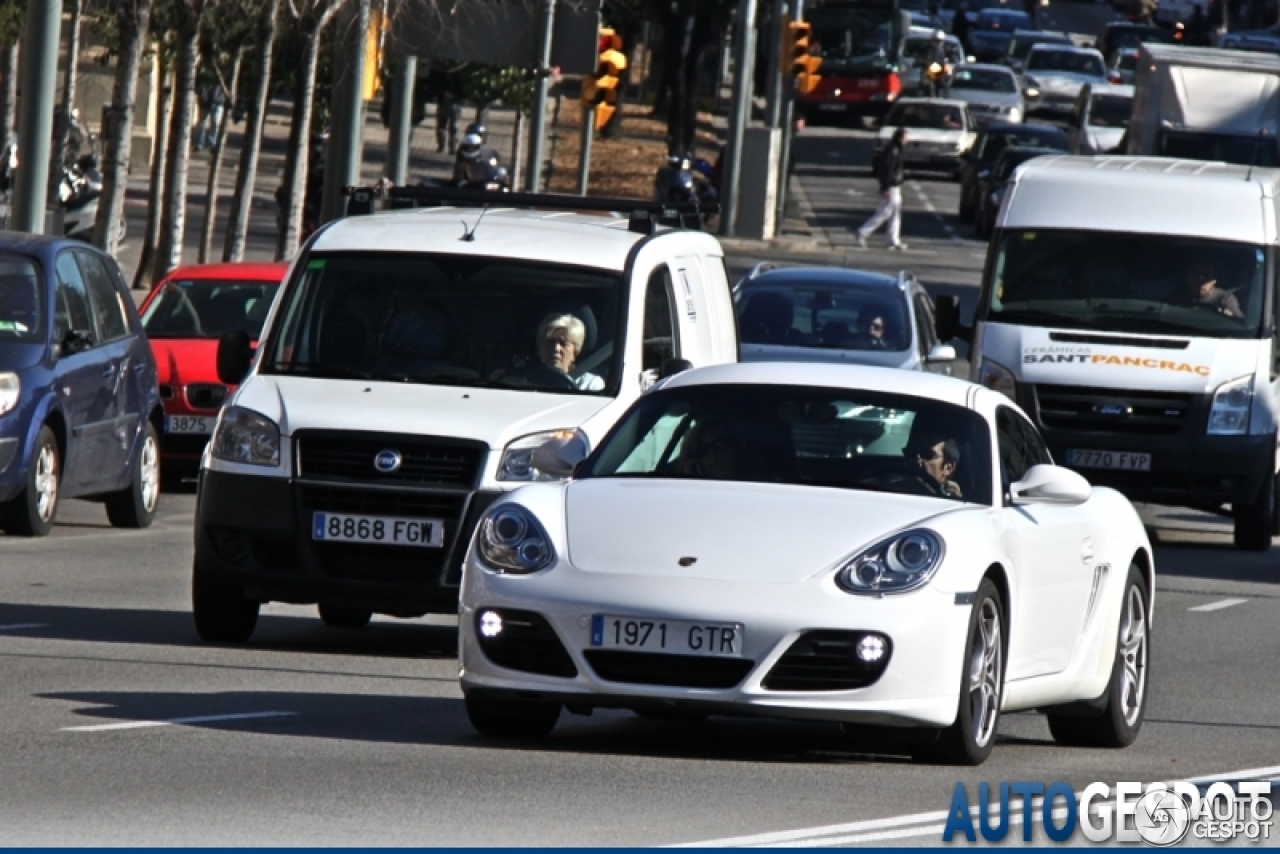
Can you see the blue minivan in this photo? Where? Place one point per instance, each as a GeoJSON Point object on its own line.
{"type": "Point", "coordinates": [79, 407]}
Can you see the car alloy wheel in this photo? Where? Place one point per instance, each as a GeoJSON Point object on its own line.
{"type": "Point", "coordinates": [46, 483]}
{"type": "Point", "coordinates": [985, 668]}
{"type": "Point", "coordinates": [149, 465]}
{"type": "Point", "coordinates": [1133, 650]}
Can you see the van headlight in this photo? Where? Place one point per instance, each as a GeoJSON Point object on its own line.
{"type": "Point", "coordinates": [1232, 403]}
{"type": "Point", "coordinates": [517, 458]}
{"type": "Point", "coordinates": [997, 377]}
{"type": "Point", "coordinates": [897, 564]}
{"type": "Point", "coordinates": [10, 391]}
{"type": "Point", "coordinates": [511, 540]}
{"type": "Point", "coordinates": [244, 436]}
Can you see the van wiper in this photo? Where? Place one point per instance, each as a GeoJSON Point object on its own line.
{"type": "Point", "coordinates": [1037, 317]}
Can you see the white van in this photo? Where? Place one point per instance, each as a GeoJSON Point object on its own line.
{"type": "Point", "coordinates": [1129, 305]}
{"type": "Point", "coordinates": [412, 363]}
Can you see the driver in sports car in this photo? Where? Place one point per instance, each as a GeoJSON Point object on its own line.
{"type": "Point", "coordinates": [937, 455]}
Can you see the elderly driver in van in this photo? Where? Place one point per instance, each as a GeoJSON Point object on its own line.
{"type": "Point", "coordinates": [560, 338]}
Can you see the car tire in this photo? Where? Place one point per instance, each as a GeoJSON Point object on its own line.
{"type": "Point", "coordinates": [135, 505]}
{"type": "Point", "coordinates": [1256, 521]}
{"type": "Point", "coordinates": [222, 613]}
{"type": "Point", "coordinates": [966, 212]}
{"type": "Point", "coordinates": [31, 513]}
{"type": "Point", "coordinates": [968, 741]}
{"type": "Point", "coordinates": [1121, 720]}
{"type": "Point", "coordinates": [342, 617]}
{"type": "Point", "coordinates": [512, 718]}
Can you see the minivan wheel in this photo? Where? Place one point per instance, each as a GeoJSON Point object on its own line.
{"type": "Point", "coordinates": [221, 611]}
{"type": "Point", "coordinates": [341, 617]}
{"type": "Point", "coordinates": [1255, 521]}
{"type": "Point", "coordinates": [135, 505]}
{"type": "Point", "coordinates": [32, 511]}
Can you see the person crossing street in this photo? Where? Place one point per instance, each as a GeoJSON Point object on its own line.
{"type": "Point", "coordinates": [889, 209]}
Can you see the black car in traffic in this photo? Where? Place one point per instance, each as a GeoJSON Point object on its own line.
{"type": "Point", "coordinates": [993, 139]}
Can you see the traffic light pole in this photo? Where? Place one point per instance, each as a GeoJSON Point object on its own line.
{"type": "Point", "coordinates": [401, 121]}
{"type": "Point", "coordinates": [776, 88]}
{"type": "Point", "coordinates": [542, 89]}
{"type": "Point", "coordinates": [740, 113]}
{"type": "Point", "coordinates": [584, 159]}
{"type": "Point", "coordinates": [788, 99]}
{"type": "Point", "coordinates": [346, 137]}
{"type": "Point", "coordinates": [39, 61]}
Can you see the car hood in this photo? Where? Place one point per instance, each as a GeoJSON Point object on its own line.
{"type": "Point", "coordinates": [181, 361]}
{"type": "Point", "coordinates": [987, 99]}
{"type": "Point", "coordinates": [753, 533]}
{"type": "Point", "coordinates": [17, 355]}
{"type": "Point", "coordinates": [492, 416]}
{"type": "Point", "coordinates": [917, 136]}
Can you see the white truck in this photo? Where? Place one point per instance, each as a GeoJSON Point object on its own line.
{"type": "Point", "coordinates": [1206, 104]}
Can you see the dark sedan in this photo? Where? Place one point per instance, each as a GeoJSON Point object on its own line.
{"type": "Point", "coordinates": [993, 139]}
{"type": "Point", "coordinates": [1119, 35]}
{"type": "Point", "coordinates": [991, 188]}
{"type": "Point", "coordinates": [991, 32]}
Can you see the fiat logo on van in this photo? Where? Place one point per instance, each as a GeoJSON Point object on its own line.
{"type": "Point", "coordinates": [1113, 410]}
{"type": "Point", "coordinates": [387, 461]}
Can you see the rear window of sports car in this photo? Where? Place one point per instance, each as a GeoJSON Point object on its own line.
{"type": "Point", "coordinates": [803, 436]}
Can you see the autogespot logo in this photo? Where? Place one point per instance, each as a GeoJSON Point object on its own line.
{"type": "Point", "coordinates": [1158, 814]}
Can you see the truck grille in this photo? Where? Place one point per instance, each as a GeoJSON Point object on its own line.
{"type": "Point", "coordinates": [423, 461]}
{"type": "Point", "coordinates": [1064, 407]}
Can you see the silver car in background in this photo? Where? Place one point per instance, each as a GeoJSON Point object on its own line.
{"type": "Point", "coordinates": [1100, 118]}
{"type": "Point", "coordinates": [991, 91]}
{"type": "Point", "coordinates": [1053, 75]}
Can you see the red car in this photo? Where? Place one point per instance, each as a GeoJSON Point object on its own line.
{"type": "Point", "coordinates": [184, 316]}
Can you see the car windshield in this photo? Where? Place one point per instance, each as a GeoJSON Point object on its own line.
{"type": "Point", "coordinates": [805, 436]}
{"type": "Point", "coordinates": [1127, 62]}
{"type": "Point", "coordinates": [1066, 61]}
{"type": "Point", "coordinates": [1110, 111]}
{"type": "Point", "coordinates": [1020, 47]}
{"type": "Point", "coordinates": [1117, 282]}
{"type": "Point", "coordinates": [1124, 38]}
{"type": "Point", "coordinates": [1003, 21]}
{"type": "Point", "coordinates": [450, 320]}
{"type": "Point", "coordinates": [22, 300]}
{"type": "Point", "coordinates": [984, 80]}
{"type": "Point", "coordinates": [994, 142]}
{"type": "Point", "coordinates": [817, 316]}
{"type": "Point", "coordinates": [206, 308]}
{"type": "Point", "coordinates": [927, 116]}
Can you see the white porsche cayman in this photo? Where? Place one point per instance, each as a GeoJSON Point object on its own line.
{"type": "Point", "coordinates": [831, 542]}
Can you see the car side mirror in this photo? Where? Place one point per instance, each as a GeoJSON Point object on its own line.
{"type": "Point", "coordinates": [946, 318]}
{"type": "Point", "coordinates": [235, 354]}
{"type": "Point", "coordinates": [76, 341]}
{"type": "Point", "coordinates": [941, 353]}
{"type": "Point", "coordinates": [1050, 485]}
{"type": "Point", "coordinates": [559, 457]}
{"type": "Point", "coordinates": [671, 367]}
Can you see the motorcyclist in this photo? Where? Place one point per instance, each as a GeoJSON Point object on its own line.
{"type": "Point", "coordinates": [476, 165]}
{"type": "Point", "coordinates": [937, 56]}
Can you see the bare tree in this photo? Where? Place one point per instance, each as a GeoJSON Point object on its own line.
{"type": "Point", "coordinates": [215, 160]}
{"type": "Point", "coordinates": [238, 226]}
{"type": "Point", "coordinates": [312, 16]}
{"type": "Point", "coordinates": [8, 91]}
{"type": "Point", "coordinates": [173, 217]}
{"type": "Point", "coordinates": [133, 20]}
{"type": "Point", "coordinates": [159, 160]}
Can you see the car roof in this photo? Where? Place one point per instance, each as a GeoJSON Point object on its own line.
{"type": "Point", "coordinates": [245, 272]}
{"type": "Point", "coordinates": [1063, 38]}
{"type": "Point", "coordinates": [985, 66]}
{"type": "Point", "coordinates": [945, 102]}
{"type": "Point", "coordinates": [1064, 48]}
{"type": "Point", "coordinates": [1015, 127]}
{"type": "Point", "coordinates": [39, 244]}
{"type": "Point", "coordinates": [602, 242]}
{"type": "Point", "coordinates": [996, 12]}
{"type": "Point", "coordinates": [829, 375]}
{"type": "Point", "coordinates": [829, 276]}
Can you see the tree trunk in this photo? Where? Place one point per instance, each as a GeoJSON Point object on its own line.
{"type": "Point", "coordinates": [173, 219]}
{"type": "Point", "coordinates": [215, 166]}
{"type": "Point", "coordinates": [133, 18]}
{"type": "Point", "coordinates": [8, 93]}
{"type": "Point", "coordinates": [159, 160]}
{"type": "Point", "coordinates": [59, 155]}
{"type": "Point", "coordinates": [238, 226]}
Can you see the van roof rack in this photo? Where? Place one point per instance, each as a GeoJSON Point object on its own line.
{"type": "Point", "coordinates": [643, 215]}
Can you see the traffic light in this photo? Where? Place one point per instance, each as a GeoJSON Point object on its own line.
{"type": "Point", "coordinates": [801, 59]}
{"type": "Point", "coordinates": [601, 90]}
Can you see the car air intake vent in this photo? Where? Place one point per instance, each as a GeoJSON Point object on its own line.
{"type": "Point", "coordinates": [206, 395]}
{"type": "Point", "coordinates": [166, 392]}
{"type": "Point", "coordinates": [679, 671]}
{"type": "Point", "coordinates": [389, 459]}
{"type": "Point", "coordinates": [1064, 407]}
{"type": "Point", "coordinates": [522, 640]}
{"type": "Point", "coordinates": [1119, 340]}
{"type": "Point", "coordinates": [829, 661]}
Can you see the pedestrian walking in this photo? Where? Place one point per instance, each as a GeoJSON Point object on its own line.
{"type": "Point", "coordinates": [890, 207]}
{"type": "Point", "coordinates": [448, 111]}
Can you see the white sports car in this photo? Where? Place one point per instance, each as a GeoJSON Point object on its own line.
{"type": "Point", "coordinates": [884, 549]}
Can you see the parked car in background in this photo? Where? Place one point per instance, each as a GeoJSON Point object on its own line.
{"type": "Point", "coordinates": [992, 30]}
{"type": "Point", "coordinates": [1053, 74]}
{"type": "Point", "coordinates": [992, 187]}
{"type": "Point", "coordinates": [80, 413]}
{"type": "Point", "coordinates": [992, 140]}
{"type": "Point", "coordinates": [184, 316]}
{"type": "Point", "coordinates": [830, 314]}
{"type": "Point", "coordinates": [1099, 119]}
{"type": "Point", "coordinates": [1021, 42]}
{"type": "Point", "coordinates": [939, 132]}
{"type": "Point", "coordinates": [1127, 35]}
{"type": "Point", "coordinates": [1123, 65]}
{"type": "Point", "coordinates": [991, 91]}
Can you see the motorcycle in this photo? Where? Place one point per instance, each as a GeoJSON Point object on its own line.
{"type": "Point", "coordinates": [685, 180]}
{"type": "Point", "coordinates": [482, 172]}
{"type": "Point", "coordinates": [79, 189]}
{"type": "Point", "coordinates": [937, 75]}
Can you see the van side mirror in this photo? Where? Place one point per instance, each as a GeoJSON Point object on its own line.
{"type": "Point", "coordinates": [235, 354]}
{"type": "Point", "coordinates": [946, 319]}
{"type": "Point", "coordinates": [671, 367]}
{"type": "Point", "coordinates": [559, 457]}
{"type": "Point", "coordinates": [1050, 485]}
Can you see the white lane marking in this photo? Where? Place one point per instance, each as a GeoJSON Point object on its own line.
{"type": "Point", "coordinates": [173, 721]}
{"type": "Point", "coordinates": [828, 830]}
{"type": "Point", "coordinates": [853, 192]}
{"type": "Point", "coordinates": [1219, 605]}
{"type": "Point", "coordinates": [13, 627]}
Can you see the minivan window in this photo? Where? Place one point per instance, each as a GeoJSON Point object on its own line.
{"type": "Point", "coordinates": [1121, 282]}
{"type": "Point", "coordinates": [450, 320]}
{"type": "Point", "coordinates": [22, 300]}
{"type": "Point", "coordinates": [108, 304]}
{"type": "Point", "coordinates": [73, 299]}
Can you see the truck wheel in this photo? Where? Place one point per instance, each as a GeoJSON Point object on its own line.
{"type": "Point", "coordinates": [32, 512]}
{"type": "Point", "coordinates": [135, 505]}
{"type": "Point", "coordinates": [1255, 521]}
{"type": "Point", "coordinates": [222, 613]}
{"type": "Point", "coordinates": [512, 718]}
{"type": "Point", "coordinates": [1120, 722]}
{"type": "Point", "coordinates": [340, 617]}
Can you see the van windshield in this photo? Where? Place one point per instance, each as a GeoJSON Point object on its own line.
{"type": "Point", "coordinates": [450, 320]}
{"type": "Point", "coordinates": [21, 300]}
{"type": "Point", "coordinates": [1115, 282]}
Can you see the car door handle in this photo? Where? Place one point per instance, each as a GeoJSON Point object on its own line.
{"type": "Point", "coordinates": [108, 372]}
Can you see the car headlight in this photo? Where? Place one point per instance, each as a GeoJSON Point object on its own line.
{"type": "Point", "coordinates": [1232, 402]}
{"type": "Point", "coordinates": [517, 458]}
{"type": "Point", "coordinates": [1014, 114]}
{"type": "Point", "coordinates": [10, 390]}
{"type": "Point", "coordinates": [244, 436]}
{"type": "Point", "coordinates": [897, 564]}
{"type": "Point", "coordinates": [510, 539]}
{"type": "Point", "coordinates": [997, 377]}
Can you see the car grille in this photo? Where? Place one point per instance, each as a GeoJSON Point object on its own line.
{"type": "Point", "coordinates": [825, 661]}
{"type": "Point", "coordinates": [1057, 100]}
{"type": "Point", "coordinates": [1063, 407]}
{"type": "Point", "coordinates": [526, 643]}
{"type": "Point", "coordinates": [677, 671]}
{"type": "Point", "coordinates": [206, 395]}
{"type": "Point", "coordinates": [424, 462]}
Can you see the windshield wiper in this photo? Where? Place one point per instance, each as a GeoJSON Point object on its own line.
{"type": "Point", "coordinates": [1038, 317]}
{"type": "Point", "coordinates": [315, 369]}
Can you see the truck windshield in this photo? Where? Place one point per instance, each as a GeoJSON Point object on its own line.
{"type": "Point", "coordinates": [1114, 282]}
{"type": "Point", "coordinates": [450, 320]}
{"type": "Point", "coordinates": [855, 36]}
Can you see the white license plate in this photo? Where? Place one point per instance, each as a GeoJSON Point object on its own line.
{"type": "Point", "coordinates": [379, 530]}
{"type": "Point", "coordinates": [1125, 460]}
{"type": "Point", "coordinates": [675, 637]}
{"type": "Point", "coordinates": [189, 424]}
{"type": "Point", "coordinates": [833, 108]}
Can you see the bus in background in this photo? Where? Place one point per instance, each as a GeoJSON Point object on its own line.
{"type": "Point", "coordinates": [860, 43]}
